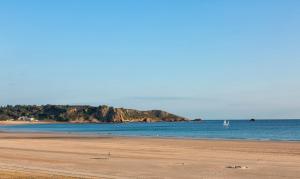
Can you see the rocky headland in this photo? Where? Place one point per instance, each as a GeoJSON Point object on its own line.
{"type": "Point", "coordinates": [84, 113]}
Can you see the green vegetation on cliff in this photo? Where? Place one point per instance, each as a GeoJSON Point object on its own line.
{"type": "Point", "coordinates": [83, 113]}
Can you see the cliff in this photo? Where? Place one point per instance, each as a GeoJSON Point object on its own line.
{"type": "Point", "coordinates": [67, 113]}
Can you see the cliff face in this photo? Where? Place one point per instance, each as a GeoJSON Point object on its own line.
{"type": "Point", "coordinates": [85, 114]}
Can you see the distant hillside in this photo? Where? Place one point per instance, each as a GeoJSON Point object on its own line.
{"type": "Point", "coordinates": [80, 113]}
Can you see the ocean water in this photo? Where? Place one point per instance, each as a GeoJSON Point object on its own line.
{"type": "Point", "coordinates": [286, 130]}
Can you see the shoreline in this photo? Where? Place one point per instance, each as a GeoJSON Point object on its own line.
{"type": "Point", "coordinates": [12, 123]}
{"type": "Point", "coordinates": [41, 135]}
{"type": "Point", "coordinates": [87, 134]}
{"type": "Point", "coordinates": [84, 156]}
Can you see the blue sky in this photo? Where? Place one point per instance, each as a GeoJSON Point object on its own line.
{"type": "Point", "coordinates": [210, 59]}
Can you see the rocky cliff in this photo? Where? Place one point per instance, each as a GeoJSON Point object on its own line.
{"type": "Point", "coordinates": [67, 113]}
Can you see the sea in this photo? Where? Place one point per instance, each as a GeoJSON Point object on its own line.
{"type": "Point", "coordinates": [277, 130]}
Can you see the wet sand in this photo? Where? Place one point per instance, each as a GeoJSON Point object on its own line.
{"type": "Point", "coordinates": [46, 155]}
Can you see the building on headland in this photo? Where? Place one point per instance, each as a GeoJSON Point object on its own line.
{"type": "Point", "coordinates": [25, 118]}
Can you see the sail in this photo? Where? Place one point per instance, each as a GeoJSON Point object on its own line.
{"type": "Point", "coordinates": [226, 123]}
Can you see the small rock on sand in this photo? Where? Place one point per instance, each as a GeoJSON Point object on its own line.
{"type": "Point", "coordinates": [237, 167]}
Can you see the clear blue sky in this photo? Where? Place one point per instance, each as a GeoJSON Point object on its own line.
{"type": "Point", "coordinates": [211, 59]}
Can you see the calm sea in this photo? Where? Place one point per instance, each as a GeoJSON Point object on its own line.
{"type": "Point", "coordinates": [287, 130]}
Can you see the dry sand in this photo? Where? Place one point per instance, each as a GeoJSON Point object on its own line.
{"type": "Point", "coordinates": [27, 155]}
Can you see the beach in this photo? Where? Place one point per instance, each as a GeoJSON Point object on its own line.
{"type": "Point", "coordinates": [58, 155]}
{"type": "Point", "coordinates": [13, 123]}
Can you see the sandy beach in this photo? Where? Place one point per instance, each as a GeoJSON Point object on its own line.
{"type": "Point", "coordinates": [13, 123]}
{"type": "Point", "coordinates": [46, 155]}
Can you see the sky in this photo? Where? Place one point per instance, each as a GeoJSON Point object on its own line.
{"type": "Point", "coordinates": [214, 59]}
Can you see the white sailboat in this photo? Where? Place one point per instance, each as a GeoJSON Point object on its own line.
{"type": "Point", "coordinates": [226, 123]}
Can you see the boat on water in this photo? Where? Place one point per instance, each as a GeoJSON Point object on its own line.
{"type": "Point", "coordinates": [226, 123]}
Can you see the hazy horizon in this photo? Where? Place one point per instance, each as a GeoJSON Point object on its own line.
{"type": "Point", "coordinates": [208, 59]}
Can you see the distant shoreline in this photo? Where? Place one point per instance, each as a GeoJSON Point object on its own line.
{"type": "Point", "coordinates": [15, 122]}
{"type": "Point", "coordinates": [8, 123]}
